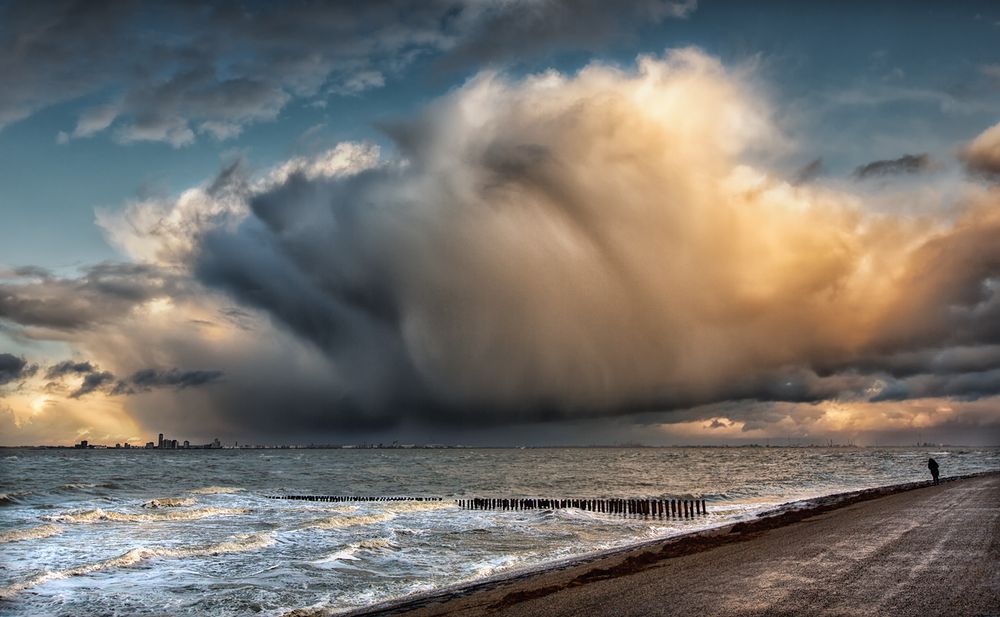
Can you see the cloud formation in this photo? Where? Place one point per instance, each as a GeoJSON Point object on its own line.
{"type": "Point", "coordinates": [14, 368]}
{"type": "Point", "coordinates": [173, 71]}
{"type": "Point", "coordinates": [559, 247]}
{"type": "Point", "coordinates": [906, 164]}
{"type": "Point", "coordinates": [94, 379]}
{"type": "Point", "coordinates": [36, 297]}
{"type": "Point", "coordinates": [553, 247]}
{"type": "Point", "coordinates": [148, 379]}
{"type": "Point", "coordinates": [982, 155]}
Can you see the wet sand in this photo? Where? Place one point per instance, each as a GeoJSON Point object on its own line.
{"type": "Point", "coordinates": [904, 550]}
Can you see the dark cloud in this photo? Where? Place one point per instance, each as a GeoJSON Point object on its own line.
{"type": "Point", "coordinates": [93, 382]}
{"type": "Point", "coordinates": [179, 69]}
{"type": "Point", "coordinates": [936, 361]}
{"type": "Point", "coordinates": [69, 367]}
{"type": "Point", "coordinates": [14, 368]}
{"type": "Point", "coordinates": [906, 164]}
{"type": "Point", "coordinates": [148, 379]}
{"type": "Point", "coordinates": [103, 293]}
{"type": "Point", "coordinates": [964, 386]}
{"type": "Point", "coordinates": [138, 382]}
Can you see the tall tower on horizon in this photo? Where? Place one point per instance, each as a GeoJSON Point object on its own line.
{"type": "Point", "coordinates": [159, 443]}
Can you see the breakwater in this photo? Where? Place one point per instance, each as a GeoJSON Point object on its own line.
{"type": "Point", "coordinates": [639, 507]}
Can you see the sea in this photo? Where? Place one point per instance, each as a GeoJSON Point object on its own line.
{"type": "Point", "coordinates": [193, 532]}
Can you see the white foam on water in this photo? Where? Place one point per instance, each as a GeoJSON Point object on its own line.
{"type": "Point", "coordinates": [31, 533]}
{"type": "Point", "coordinates": [98, 515]}
{"type": "Point", "coordinates": [237, 544]}
{"type": "Point", "coordinates": [346, 554]}
{"type": "Point", "coordinates": [349, 553]}
{"type": "Point", "coordinates": [492, 566]}
{"type": "Point", "coordinates": [420, 506]}
{"type": "Point", "coordinates": [169, 502]}
{"type": "Point", "coordinates": [338, 522]}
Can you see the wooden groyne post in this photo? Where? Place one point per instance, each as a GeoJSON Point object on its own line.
{"type": "Point", "coordinates": [635, 508]}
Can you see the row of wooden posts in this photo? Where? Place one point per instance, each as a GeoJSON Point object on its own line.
{"type": "Point", "coordinates": [646, 508]}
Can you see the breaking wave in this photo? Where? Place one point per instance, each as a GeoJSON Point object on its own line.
{"type": "Point", "coordinates": [338, 522]}
{"type": "Point", "coordinates": [77, 486]}
{"type": "Point", "coordinates": [348, 553]}
{"type": "Point", "coordinates": [239, 544]}
{"type": "Point", "coordinates": [31, 533]}
{"type": "Point", "coordinates": [99, 515]}
{"type": "Point", "coordinates": [169, 502]}
{"type": "Point", "coordinates": [9, 499]}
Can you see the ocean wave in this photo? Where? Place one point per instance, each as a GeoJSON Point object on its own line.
{"type": "Point", "coordinates": [238, 544]}
{"type": "Point", "coordinates": [350, 551]}
{"type": "Point", "coordinates": [79, 486]}
{"type": "Point", "coordinates": [216, 490]}
{"type": "Point", "coordinates": [31, 533]}
{"type": "Point", "coordinates": [169, 502]}
{"type": "Point", "coordinates": [99, 515]}
{"type": "Point", "coordinates": [419, 506]}
{"type": "Point", "coordinates": [10, 499]}
{"type": "Point", "coordinates": [338, 522]}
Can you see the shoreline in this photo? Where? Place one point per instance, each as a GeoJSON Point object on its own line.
{"type": "Point", "coordinates": [637, 554]}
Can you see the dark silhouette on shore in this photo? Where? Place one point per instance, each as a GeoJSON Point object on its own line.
{"type": "Point", "coordinates": [933, 466]}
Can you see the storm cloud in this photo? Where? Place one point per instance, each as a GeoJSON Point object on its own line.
{"type": "Point", "coordinates": [573, 246]}
{"type": "Point", "coordinates": [577, 248]}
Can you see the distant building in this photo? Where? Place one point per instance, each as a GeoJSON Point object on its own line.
{"type": "Point", "coordinates": [159, 443]}
{"type": "Point", "coordinates": [83, 444]}
{"type": "Point", "coordinates": [150, 445]}
{"type": "Point", "coordinates": [187, 444]}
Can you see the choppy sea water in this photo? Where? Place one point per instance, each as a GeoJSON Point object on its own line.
{"type": "Point", "coordinates": [78, 534]}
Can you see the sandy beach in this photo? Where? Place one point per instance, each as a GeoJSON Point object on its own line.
{"type": "Point", "coordinates": [912, 549]}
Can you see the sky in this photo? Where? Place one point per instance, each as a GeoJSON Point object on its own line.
{"type": "Point", "coordinates": [500, 222]}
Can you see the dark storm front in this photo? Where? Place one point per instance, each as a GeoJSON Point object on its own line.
{"type": "Point", "coordinates": [185, 532]}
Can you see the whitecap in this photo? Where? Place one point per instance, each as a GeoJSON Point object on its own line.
{"type": "Point", "coordinates": [338, 522]}
{"type": "Point", "coordinates": [30, 533]}
{"type": "Point", "coordinates": [169, 502]}
{"type": "Point", "coordinates": [98, 515]}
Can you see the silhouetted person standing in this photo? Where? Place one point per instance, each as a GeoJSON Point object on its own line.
{"type": "Point", "coordinates": [933, 466]}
